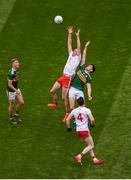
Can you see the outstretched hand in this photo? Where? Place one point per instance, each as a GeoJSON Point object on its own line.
{"type": "Point", "coordinates": [87, 44]}
{"type": "Point", "coordinates": [70, 29]}
{"type": "Point", "coordinates": [78, 32]}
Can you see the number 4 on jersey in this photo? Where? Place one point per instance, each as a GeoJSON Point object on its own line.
{"type": "Point", "coordinates": [80, 117]}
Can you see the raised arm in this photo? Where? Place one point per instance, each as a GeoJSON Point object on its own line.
{"type": "Point", "coordinates": [69, 43]}
{"type": "Point", "coordinates": [83, 60]}
{"type": "Point", "coordinates": [78, 40]}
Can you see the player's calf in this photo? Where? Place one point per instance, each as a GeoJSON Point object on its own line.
{"type": "Point", "coordinates": [10, 110]}
{"type": "Point", "coordinates": [55, 100]}
{"type": "Point", "coordinates": [66, 102]}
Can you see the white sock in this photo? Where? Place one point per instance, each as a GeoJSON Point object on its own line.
{"type": "Point", "coordinates": [94, 159]}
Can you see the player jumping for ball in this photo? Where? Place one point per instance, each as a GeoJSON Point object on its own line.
{"type": "Point", "coordinates": [82, 116]}
{"type": "Point", "coordinates": [69, 71]}
{"type": "Point", "coordinates": [13, 92]}
{"type": "Point", "coordinates": [81, 79]}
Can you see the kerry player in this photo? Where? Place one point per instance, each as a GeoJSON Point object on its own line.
{"type": "Point", "coordinates": [81, 79]}
{"type": "Point", "coordinates": [13, 92]}
{"type": "Point", "coordinates": [82, 115]}
{"type": "Point", "coordinates": [69, 71]}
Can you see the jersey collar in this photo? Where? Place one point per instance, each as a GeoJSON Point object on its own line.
{"type": "Point", "coordinates": [13, 69]}
{"type": "Point", "coordinates": [87, 73]}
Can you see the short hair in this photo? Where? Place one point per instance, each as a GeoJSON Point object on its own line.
{"type": "Point", "coordinates": [93, 68]}
{"type": "Point", "coordinates": [80, 101]}
{"type": "Point", "coordinates": [13, 60]}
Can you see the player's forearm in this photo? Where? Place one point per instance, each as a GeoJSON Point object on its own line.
{"type": "Point", "coordinates": [69, 39]}
{"type": "Point", "coordinates": [93, 123]}
{"type": "Point", "coordinates": [67, 123]}
{"type": "Point", "coordinates": [78, 43]}
{"type": "Point", "coordinates": [89, 91]}
{"type": "Point", "coordinates": [83, 61]}
{"type": "Point", "coordinates": [91, 117]}
{"type": "Point", "coordinates": [12, 87]}
{"type": "Point", "coordinates": [85, 52]}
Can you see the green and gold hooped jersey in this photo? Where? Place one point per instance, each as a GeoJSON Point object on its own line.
{"type": "Point", "coordinates": [81, 78]}
{"type": "Point", "coordinates": [14, 76]}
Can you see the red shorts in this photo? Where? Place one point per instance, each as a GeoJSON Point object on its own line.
{"type": "Point", "coordinates": [83, 134]}
{"type": "Point", "coordinates": [65, 81]}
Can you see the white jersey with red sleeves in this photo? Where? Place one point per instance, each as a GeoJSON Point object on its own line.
{"type": "Point", "coordinates": [72, 64]}
{"type": "Point", "coordinates": [81, 118]}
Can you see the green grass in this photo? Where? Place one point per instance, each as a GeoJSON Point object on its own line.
{"type": "Point", "coordinates": [41, 147]}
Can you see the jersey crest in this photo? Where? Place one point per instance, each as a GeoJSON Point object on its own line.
{"type": "Point", "coordinates": [82, 77]}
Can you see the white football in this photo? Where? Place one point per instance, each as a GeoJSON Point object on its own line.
{"type": "Point", "coordinates": [58, 19]}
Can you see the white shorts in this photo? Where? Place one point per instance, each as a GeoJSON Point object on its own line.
{"type": "Point", "coordinates": [12, 95]}
{"type": "Point", "coordinates": [75, 93]}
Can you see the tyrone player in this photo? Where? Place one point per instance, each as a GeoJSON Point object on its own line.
{"type": "Point", "coordinates": [81, 79]}
{"type": "Point", "coordinates": [69, 70]}
{"type": "Point", "coordinates": [82, 115]}
{"type": "Point", "coordinates": [13, 92]}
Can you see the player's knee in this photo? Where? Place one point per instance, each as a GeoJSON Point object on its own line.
{"type": "Point", "coordinates": [52, 92]}
{"type": "Point", "coordinates": [11, 104]}
{"type": "Point", "coordinates": [64, 96]}
{"type": "Point", "coordinates": [92, 146]}
{"type": "Point", "coordinates": [22, 103]}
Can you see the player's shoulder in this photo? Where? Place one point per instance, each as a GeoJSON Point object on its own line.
{"type": "Point", "coordinates": [82, 66]}
{"type": "Point", "coordinates": [75, 110]}
{"type": "Point", "coordinates": [70, 53]}
{"type": "Point", "coordinates": [87, 110]}
{"type": "Point", "coordinates": [89, 76]}
{"type": "Point", "coordinates": [10, 72]}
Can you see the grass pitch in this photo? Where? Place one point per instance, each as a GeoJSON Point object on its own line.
{"type": "Point", "coordinates": [41, 147]}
